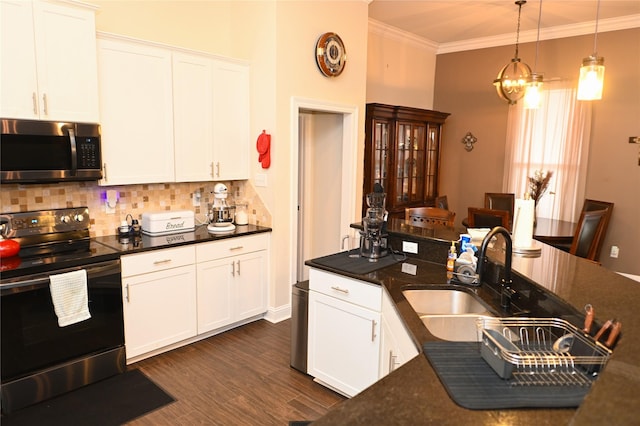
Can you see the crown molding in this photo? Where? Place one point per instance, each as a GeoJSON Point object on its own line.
{"type": "Point", "coordinates": [562, 31]}
{"type": "Point", "coordinates": [397, 34]}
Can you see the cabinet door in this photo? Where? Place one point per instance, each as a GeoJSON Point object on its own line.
{"type": "Point", "coordinates": [410, 163]}
{"type": "Point", "coordinates": [397, 345]}
{"type": "Point", "coordinates": [137, 112]}
{"type": "Point", "coordinates": [18, 84]}
{"type": "Point", "coordinates": [344, 344]}
{"type": "Point", "coordinates": [67, 66]}
{"type": "Point", "coordinates": [432, 160]}
{"type": "Point", "coordinates": [250, 285]}
{"type": "Point", "coordinates": [193, 112]}
{"type": "Point", "coordinates": [159, 309]}
{"type": "Point", "coordinates": [215, 294]}
{"type": "Point", "coordinates": [231, 121]}
{"type": "Point", "coordinates": [48, 60]}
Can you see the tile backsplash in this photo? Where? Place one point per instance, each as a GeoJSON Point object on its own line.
{"type": "Point", "coordinates": [132, 199]}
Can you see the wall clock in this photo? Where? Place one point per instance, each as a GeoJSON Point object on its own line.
{"type": "Point", "coordinates": [331, 55]}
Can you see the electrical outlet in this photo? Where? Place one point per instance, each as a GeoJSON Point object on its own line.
{"type": "Point", "coordinates": [196, 197]}
{"type": "Point", "coordinates": [615, 251]}
{"type": "Point", "coordinates": [410, 247]}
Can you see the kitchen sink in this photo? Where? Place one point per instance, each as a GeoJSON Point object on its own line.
{"type": "Point", "coordinates": [448, 314]}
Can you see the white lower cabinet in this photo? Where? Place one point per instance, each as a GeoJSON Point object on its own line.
{"type": "Point", "coordinates": [397, 344]}
{"type": "Point", "coordinates": [347, 343]}
{"type": "Point", "coordinates": [159, 292]}
{"type": "Point", "coordinates": [176, 296]}
{"type": "Point", "coordinates": [232, 281]}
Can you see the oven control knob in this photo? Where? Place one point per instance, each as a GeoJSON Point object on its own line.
{"type": "Point", "coordinates": [65, 219]}
{"type": "Point", "coordinates": [78, 218]}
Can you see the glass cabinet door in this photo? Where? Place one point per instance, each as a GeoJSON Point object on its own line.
{"type": "Point", "coordinates": [433, 153]}
{"type": "Point", "coordinates": [410, 161]}
{"type": "Point", "coordinates": [380, 153]}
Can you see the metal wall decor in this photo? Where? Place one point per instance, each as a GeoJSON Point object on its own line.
{"type": "Point", "coordinates": [468, 141]}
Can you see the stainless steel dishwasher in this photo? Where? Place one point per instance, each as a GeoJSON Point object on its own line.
{"type": "Point", "coordinates": [299, 325]}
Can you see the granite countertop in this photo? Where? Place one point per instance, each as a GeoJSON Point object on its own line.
{"type": "Point", "coordinates": [200, 234]}
{"type": "Point", "coordinates": [413, 394]}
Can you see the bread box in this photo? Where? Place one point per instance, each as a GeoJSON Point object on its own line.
{"type": "Point", "coordinates": [168, 222]}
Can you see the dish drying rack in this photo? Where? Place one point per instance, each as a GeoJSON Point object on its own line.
{"type": "Point", "coordinates": [540, 351]}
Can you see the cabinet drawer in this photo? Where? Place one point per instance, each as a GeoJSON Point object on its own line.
{"type": "Point", "coordinates": [360, 293]}
{"type": "Point", "coordinates": [157, 260]}
{"type": "Point", "coordinates": [231, 247]}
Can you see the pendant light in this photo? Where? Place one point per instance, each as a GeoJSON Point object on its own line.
{"type": "Point", "coordinates": [592, 71]}
{"type": "Point", "coordinates": [513, 77]}
{"type": "Point", "coordinates": [533, 91]}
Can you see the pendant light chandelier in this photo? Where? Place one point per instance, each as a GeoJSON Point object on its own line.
{"type": "Point", "coordinates": [533, 91]}
{"type": "Point", "coordinates": [513, 77]}
{"type": "Point", "coordinates": [592, 71]}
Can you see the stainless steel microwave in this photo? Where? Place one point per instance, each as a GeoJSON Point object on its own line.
{"type": "Point", "coordinates": [34, 151]}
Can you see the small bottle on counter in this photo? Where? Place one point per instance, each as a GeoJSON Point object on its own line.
{"type": "Point", "coordinates": [451, 260]}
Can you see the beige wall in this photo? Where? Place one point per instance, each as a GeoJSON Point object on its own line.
{"type": "Point", "coordinates": [463, 88]}
{"type": "Point", "coordinates": [400, 68]}
{"type": "Point", "coordinates": [278, 39]}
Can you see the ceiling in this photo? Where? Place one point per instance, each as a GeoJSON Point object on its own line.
{"type": "Point", "coordinates": [453, 22]}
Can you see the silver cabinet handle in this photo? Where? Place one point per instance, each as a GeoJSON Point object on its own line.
{"type": "Point", "coordinates": [373, 330]}
{"type": "Point", "coordinates": [34, 98]}
{"type": "Point", "coordinates": [238, 267]}
{"type": "Point", "coordinates": [212, 173]}
{"type": "Point", "coordinates": [161, 262]}
{"type": "Point", "coordinates": [127, 292]}
{"type": "Point", "coordinates": [233, 269]}
{"type": "Point", "coordinates": [104, 169]}
{"type": "Point", "coordinates": [392, 361]}
{"type": "Point", "coordinates": [341, 290]}
{"type": "Point", "coordinates": [236, 248]}
{"type": "Point", "coordinates": [44, 102]}
{"type": "Point", "coordinates": [218, 169]}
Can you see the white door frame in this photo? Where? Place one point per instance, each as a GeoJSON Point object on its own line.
{"type": "Point", "coordinates": [349, 166]}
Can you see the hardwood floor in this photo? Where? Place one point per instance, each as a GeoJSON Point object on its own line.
{"type": "Point", "coordinates": [240, 377]}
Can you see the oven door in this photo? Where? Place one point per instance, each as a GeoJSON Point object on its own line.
{"type": "Point", "coordinates": [31, 337]}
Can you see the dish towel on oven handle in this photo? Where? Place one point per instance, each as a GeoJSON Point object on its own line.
{"type": "Point", "coordinates": [69, 296]}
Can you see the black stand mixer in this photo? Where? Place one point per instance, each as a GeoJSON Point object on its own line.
{"type": "Point", "coordinates": [373, 239]}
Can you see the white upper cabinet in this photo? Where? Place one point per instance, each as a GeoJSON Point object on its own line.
{"type": "Point", "coordinates": [136, 112]}
{"type": "Point", "coordinates": [171, 115]}
{"type": "Point", "coordinates": [231, 121]}
{"type": "Point", "coordinates": [48, 63]}
{"type": "Point", "coordinates": [193, 117]}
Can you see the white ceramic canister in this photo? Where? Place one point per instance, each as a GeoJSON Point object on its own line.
{"type": "Point", "coordinates": [242, 217]}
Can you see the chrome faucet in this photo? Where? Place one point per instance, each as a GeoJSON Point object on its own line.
{"type": "Point", "coordinates": [506, 292]}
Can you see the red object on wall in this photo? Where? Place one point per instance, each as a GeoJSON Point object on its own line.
{"type": "Point", "coordinates": [263, 145]}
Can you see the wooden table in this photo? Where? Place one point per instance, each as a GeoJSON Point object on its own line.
{"type": "Point", "coordinates": [552, 231]}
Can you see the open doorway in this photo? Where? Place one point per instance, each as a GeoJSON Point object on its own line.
{"type": "Point", "coordinates": [325, 179]}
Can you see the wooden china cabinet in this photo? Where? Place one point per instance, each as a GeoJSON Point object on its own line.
{"type": "Point", "coordinates": [402, 153]}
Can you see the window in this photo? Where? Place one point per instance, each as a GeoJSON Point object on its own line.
{"type": "Point", "coordinates": [553, 137]}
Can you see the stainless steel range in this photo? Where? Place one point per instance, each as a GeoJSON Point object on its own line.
{"type": "Point", "coordinates": [43, 356]}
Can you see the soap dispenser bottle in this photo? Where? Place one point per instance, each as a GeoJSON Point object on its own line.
{"type": "Point", "coordinates": [451, 260]}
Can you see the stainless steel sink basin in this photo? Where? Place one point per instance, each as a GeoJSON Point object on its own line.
{"type": "Point", "coordinates": [444, 302]}
{"type": "Point", "coordinates": [448, 314]}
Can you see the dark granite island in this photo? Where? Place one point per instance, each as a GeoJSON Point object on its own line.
{"type": "Point", "coordinates": [413, 394]}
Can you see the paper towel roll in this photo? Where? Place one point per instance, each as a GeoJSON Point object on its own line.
{"type": "Point", "coordinates": [523, 223]}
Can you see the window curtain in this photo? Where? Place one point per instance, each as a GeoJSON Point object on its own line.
{"type": "Point", "coordinates": [553, 137]}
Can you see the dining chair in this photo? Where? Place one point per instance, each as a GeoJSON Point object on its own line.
{"type": "Point", "coordinates": [426, 216]}
{"type": "Point", "coordinates": [589, 234]}
{"type": "Point", "coordinates": [442, 203]}
{"type": "Point", "coordinates": [591, 205]}
{"type": "Point", "coordinates": [500, 201]}
{"type": "Point", "coordinates": [479, 217]}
